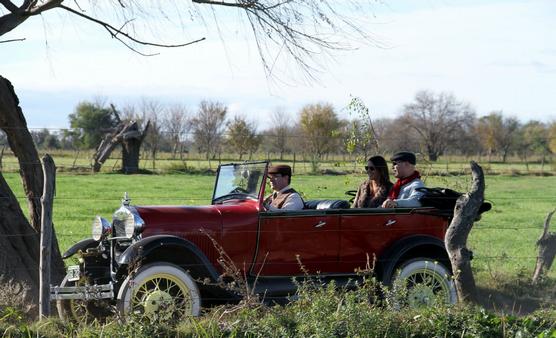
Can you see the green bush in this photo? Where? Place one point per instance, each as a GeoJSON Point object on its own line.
{"type": "Point", "coordinates": [318, 310]}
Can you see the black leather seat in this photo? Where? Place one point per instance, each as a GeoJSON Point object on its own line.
{"type": "Point", "coordinates": [326, 204]}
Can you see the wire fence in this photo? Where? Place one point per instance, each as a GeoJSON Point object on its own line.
{"type": "Point", "coordinates": [333, 164]}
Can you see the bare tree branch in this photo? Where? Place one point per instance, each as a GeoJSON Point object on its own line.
{"type": "Point", "coordinates": [12, 40]}
{"type": "Point", "coordinates": [114, 32]}
{"type": "Point", "coordinates": [9, 5]}
{"type": "Point", "coordinates": [303, 31]}
{"type": "Point", "coordinates": [47, 5]}
{"type": "Point", "coordinates": [240, 4]}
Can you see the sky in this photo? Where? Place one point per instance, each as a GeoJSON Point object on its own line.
{"type": "Point", "coordinates": [496, 55]}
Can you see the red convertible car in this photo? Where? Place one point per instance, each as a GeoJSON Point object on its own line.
{"type": "Point", "coordinates": [167, 259]}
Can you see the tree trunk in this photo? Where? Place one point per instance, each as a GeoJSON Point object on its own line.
{"type": "Point", "coordinates": [547, 250]}
{"type": "Point", "coordinates": [105, 148]}
{"type": "Point", "coordinates": [130, 137]}
{"type": "Point", "coordinates": [19, 240]}
{"type": "Point", "coordinates": [465, 213]}
{"type": "Point", "coordinates": [131, 147]}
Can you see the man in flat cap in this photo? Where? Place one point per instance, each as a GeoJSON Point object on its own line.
{"type": "Point", "coordinates": [283, 196]}
{"type": "Point", "coordinates": [404, 193]}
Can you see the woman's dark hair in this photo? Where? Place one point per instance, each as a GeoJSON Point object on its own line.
{"type": "Point", "coordinates": [382, 168]}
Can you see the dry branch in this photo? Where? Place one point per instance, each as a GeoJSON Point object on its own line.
{"type": "Point", "coordinates": [547, 250]}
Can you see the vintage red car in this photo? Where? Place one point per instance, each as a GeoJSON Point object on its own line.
{"type": "Point", "coordinates": [154, 259]}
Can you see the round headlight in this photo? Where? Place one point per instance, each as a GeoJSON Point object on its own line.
{"type": "Point", "coordinates": [129, 228]}
{"type": "Point", "coordinates": [101, 228]}
{"type": "Point", "coordinates": [131, 221]}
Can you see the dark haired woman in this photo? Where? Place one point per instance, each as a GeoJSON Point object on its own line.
{"type": "Point", "coordinates": [373, 191]}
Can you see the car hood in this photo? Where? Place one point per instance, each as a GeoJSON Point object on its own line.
{"type": "Point", "coordinates": [176, 219]}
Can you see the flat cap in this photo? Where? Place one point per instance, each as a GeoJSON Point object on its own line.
{"type": "Point", "coordinates": [282, 169]}
{"type": "Point", "coordinates": [405, 156]}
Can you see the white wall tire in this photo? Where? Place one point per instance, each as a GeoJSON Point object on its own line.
{"type": "Point", "coordinates": [424, 282]}
{"type": "Point", "coordinates": [160, 290]}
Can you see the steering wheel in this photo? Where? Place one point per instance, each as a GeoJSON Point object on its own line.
{"type": "Point", "coordinates": [239, 190]}
{"type": "Point", "coordinates": [351, 193]}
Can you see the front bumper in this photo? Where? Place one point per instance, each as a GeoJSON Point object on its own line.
{"type": "Point", "coordinates": [84, 292]}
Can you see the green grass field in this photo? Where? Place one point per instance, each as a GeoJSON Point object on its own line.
{"type": "Point", "coordinates": [503, 240]}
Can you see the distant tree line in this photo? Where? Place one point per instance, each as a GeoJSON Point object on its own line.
{"type": "Point", "coordinates": [434, 124]}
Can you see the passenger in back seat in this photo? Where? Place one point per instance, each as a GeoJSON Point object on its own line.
{"type": "Point", "coordinates": [373, 191]}
{"type": "Point", "coordinates": [405, 192]}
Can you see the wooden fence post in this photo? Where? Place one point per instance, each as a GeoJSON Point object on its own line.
{"type": "Point", "coordinates": [49, 172]}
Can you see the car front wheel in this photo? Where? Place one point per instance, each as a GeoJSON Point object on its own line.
{"type": "Point", "coordinates": [424, 282]}
{"type": "Point", "coordinates": [82, 311]}
{"type": "Point", "coordinates": [160, 290]}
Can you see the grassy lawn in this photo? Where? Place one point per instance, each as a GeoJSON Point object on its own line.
{"type": "Point", "coordinates": [503, 241]}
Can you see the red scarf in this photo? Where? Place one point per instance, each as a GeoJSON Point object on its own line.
{"type": "Point", "coordinates": [395, 192]}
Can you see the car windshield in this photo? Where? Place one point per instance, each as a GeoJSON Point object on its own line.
{"type": "Point", "coordinates": [239, 180]}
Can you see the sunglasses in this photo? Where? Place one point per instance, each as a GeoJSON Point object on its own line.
{"type": "Point", "coordinates": [369, 168]}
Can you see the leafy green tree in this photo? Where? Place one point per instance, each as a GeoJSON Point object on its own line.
{"type": "Point", "coordinates": [552, 137]}
{"type": "Point", "coordinates": [46, 140]}
{"type": "Point", "coordinates": [242, 136]}
{"type": "Point", "coordinates": [91, 121]}
{"type": "Point", "coordinates": [498, 134]}
{"type": "Point", "coordinates": [536, 140]}
{"type": "Point", "coordinates": [361, 137]}
{"type": "Point", "coordinates": [319, 126]}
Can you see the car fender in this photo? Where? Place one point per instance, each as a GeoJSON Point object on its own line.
{"type": "Point", "coordinates": [171, 249]}
{"type": "Point", "coordinates": [431, 247]}
{"type": "Point", "coordinates": [81, 245]}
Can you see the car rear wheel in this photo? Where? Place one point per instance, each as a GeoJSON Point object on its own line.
{"type": "Point", "coordinates": [82, 311]}
{"type": "Point", "coordinates": [424, 282]}
{"type": "Point", "coordinates": [160, 290]}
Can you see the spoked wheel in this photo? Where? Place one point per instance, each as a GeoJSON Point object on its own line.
{"type": "Point", "coordinates": [160, 290]}
{"type": "Point", "coordinates": [83, 311]}
{"type": "Point", "coordinates": [425, 283]}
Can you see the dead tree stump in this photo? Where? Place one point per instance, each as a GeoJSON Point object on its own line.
{"type": "Point", "coordinates": [547, 250]}
{"type": "Point", "coordinates": [465, 214]}
{"type": "Point", "coordinates": [130, 137]}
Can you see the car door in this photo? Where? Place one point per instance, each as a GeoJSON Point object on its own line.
{"type": "Point", "coordinates": [288, 238]}
{"type": "Point", "coordinates": [365, 233]}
